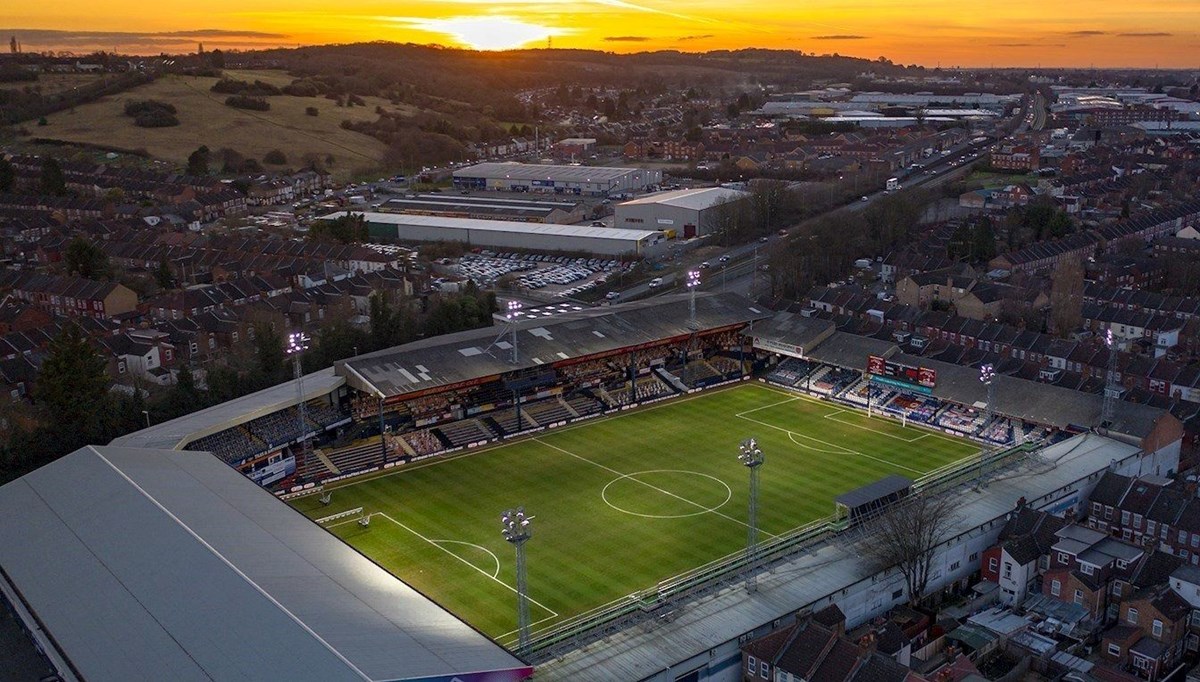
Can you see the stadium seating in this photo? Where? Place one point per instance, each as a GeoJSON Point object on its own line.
{"type": "Point", "coordinates": [548, 412]}
{"type": "Point", "coordinates": [358, 456]}
{"type": "Point", "coordinates": [231, 445]}
{"type": "Point", "coordinates": [460, 433]}
{"type": "Point", "coordinates": [584, 405]}
{"type": "Point", "coordinates": [423, 442]}
{"type": "Point", "coordinates": [696, 372]}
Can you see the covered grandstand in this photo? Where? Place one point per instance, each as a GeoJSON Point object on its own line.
{"type": "Point", "coordinates": [144, 564]}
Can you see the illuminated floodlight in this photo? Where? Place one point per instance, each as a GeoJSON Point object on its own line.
{"type": "Point", "coordinates": [987, 373]}
{"type": "Point", "coordinates": [297, 343]}
{"type": "Point", "coordinates": [693, 278]}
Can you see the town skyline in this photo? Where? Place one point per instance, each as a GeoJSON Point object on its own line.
{"type": "Point", "coordinates": [931, 33]}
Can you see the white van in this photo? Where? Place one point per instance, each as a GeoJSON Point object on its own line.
{"type": "Point", "coordinates": [656, 282]}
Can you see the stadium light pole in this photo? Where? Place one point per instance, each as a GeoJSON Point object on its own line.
{"type": "Point", "coordinates": [514, 526]}
{"type": "Point", "coordinates": [693, 283]}
{"type": "Point", "coordinates": [987, 376]}
{"type": "Point", "coordinates": [297, 344]}
{"type": "Point", "coordinates": [752, 457]}
{"type": "Point", "coordinates": [514, 308]}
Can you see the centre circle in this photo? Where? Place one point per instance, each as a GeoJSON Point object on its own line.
{"type": "Point", "coordinates": [653, 489]}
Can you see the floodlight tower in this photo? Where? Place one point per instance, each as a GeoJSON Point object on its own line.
{"type": "Point", "coordinates": [987, 376]}
{"type": "Point", "coordinates": [1112, 388]}
{"type": "Point", "coordinates": [513, 313]}
{"type": "Point", "coordinates": [752, 457]}
{"type": "Point", "coordinates": [693, 282]}
{"type": "Point", "coordinates": [514, 526]}
{"type": "Point", "coordinates": [297, 344]}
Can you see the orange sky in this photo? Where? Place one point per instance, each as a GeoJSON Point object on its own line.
{"type": "Point", "coordinates": [1163, 33]}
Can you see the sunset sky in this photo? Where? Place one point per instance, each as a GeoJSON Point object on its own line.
{"type": "Point", "coordinates": [1165, 33]}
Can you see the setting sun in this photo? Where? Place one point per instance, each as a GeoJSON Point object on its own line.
{"type": "Point", "coordinates": [484, 32]}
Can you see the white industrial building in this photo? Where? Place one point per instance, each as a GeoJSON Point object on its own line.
{"type": "Point", "coordinates": [507, 234]}
{"type": "Point", "coordinates": [688, 212]}
{"type": "Point", "coordinates": [569, 179]}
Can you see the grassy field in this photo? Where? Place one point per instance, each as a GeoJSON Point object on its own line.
{"type": "Point", "coordinates": [204, 119]}
{"type": "Point", "coordinates": [620, 502]}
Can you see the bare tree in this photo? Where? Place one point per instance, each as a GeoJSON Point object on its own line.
{"type": "Point", "coordinates": [905, 535]}
{"type": "Point", "coordinates": [1066, 297]}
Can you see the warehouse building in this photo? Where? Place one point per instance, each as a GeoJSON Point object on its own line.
{"type": "Point", "coordinates": [688, 212]}
{"type": "Point", "coordinates": [507, 234]}
{"type": "Point", "coordinates": [521, 177]}
{"type": "Point", "coordinates": [488, 208]}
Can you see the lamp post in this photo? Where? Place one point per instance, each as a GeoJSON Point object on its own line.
{"type": "Point", "coordinates": [752, 457]}
{"type": "Point", "coordinates": [147, 415]}
{"type": "Point", "coordinates": [514, 308]}
{"type": "Point", "coordinates": [987, 376]}
{"type": "Point", "coordinates": [297, 344]}
{"type": "Point", "coordinates": [514, 526]}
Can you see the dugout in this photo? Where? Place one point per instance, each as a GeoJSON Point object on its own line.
{"type": "Point", "coordinates": [871, 498]}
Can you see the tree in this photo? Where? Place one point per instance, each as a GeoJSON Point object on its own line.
{"type": "Point", "coordinates": [1066, 297]}
{"type": "Point", "coordinates": [87, 260]}
{"type": "Point", "coordinates": [198, 161]}
{"type": "Point", "coordinates": [8, 176]}
{"type": "Point", "coordinates": [347, 229]}
{"type": "Point", "coordinates": [905, 536]}
{"type": "Point", "coordinates": [269, 354]}
{"type": "Point", "coordinates": [72, 382]}
{"type": "Point", "coordinates": [53, 181]}
{"type": "Point", "coordinates": [311, 111]}
{"type": "Point", "coordinates": [275, 157]}
{"type": "Point", "coordinates": [163, 275]}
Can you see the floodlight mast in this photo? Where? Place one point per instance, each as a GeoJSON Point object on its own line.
{"type": "Point", "coordinates": [297, 344]}
{"type": "Point", "coordinates": [514, 308]}
{"type": "Point", "coordinates": [987, 376]}
{"type": "Point", "coordinates": [752, 457]}
{"type": "Point", "coordinates": [1111, 386]}
{"type": "Point", "coordinates": [693, 283]}
{"type": "Point", "coordinates": [514, 526]}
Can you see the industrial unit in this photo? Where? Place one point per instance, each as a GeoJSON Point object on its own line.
{"type": "Point", "coordinates": [487, 208]}
{"type": "Point", "coordinates": [507, 234]}
{"type": "Point", "coordinates": [688, 212]}
{"type": "Point", "coordinates": [521, 177]}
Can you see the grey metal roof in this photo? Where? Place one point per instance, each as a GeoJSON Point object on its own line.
{"type": "Point", "coordinates": [480, 353]}
{"type": "Point", "coordinates": [510, 226]}
{"type": "Point", "coordinates": [791, 329]}
{"type": "Point", "coordinates": [636, 653]}
{"type": "Point", "coordinates": [694, 199]}
{"type": "Point", "coordinates": [533, 171]}
{"type": "Point", "coordinates": [167, 565]}
{"type": "Point", "coordinates": [873, 492]}
{"type": "Point", "coordinates": [851, 350]}
{"type": "Point", "coordinates": [177, 433]}
{"type": "Point", "coordinates": [1034, 401]}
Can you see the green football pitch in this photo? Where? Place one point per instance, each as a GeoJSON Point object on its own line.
{"type": "Point", "coordinates": [619, 502]}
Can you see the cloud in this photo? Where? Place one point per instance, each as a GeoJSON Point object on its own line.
{"type": "Point", "coordinates": [1152, 34]}
{"type": "Point", "coordinates": [89, 37]}
{"type": "Point", "coordinates": [700, 37]}
{"type": "Point", "coordinates": [1028, 45]}
{"type": "Point", "coordinates": [1086, 34]}
{"type": "Point", "coordinates": [626, 39]}
{"type": "Point", "coordinates": [840, 37]}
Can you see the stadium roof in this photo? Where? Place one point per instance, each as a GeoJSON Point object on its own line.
{"type": "Point", "coordinates": [1034, 401]}
{"type": "Point", "coordinates": [792, 330]}
{"type": "Point", "coordinates": [809, 578]}
{"type": "Point", "coordinates": [693, 199]}
{"type": "Point", "coordinates": [175, 434]}
{"type": "Point", "coordinates": [851, 350]}
{"type": "Point", "coordinates": [480, 353]}
{"type": "Point", "coordinates": [527, 171]}
{"type": "Point", "coordinates": [481, 225]}
{"type": "Point", "coordinates": [874, 492]}
{"type": "Point", "coordinates": [158, 564]}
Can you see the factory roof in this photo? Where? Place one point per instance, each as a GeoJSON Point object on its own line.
{"type": "Point", "coordinates": [480, 225]}
{"type": "Point", "coordinates": [526, 171]}
{"type": "Point", "coordinates": [694, 199]}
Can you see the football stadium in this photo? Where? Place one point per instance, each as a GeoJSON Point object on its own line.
{"type": "Point", "coordinates": [621, 492]}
